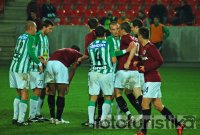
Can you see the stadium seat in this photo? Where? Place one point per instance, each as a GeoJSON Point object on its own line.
{"type": "Point", "coordinates": [131, 14]}
{"type": "Point", "coordinates": [63, 21]}
{"type": "Point", "coordinates": [122, 7]}
{"type": "Point", "coordinates": [166, 2]}
{"type": "Point", "coordinates": [109, 1]}
{"type": "Point", "coordinates": [117, 13]}
{"type": "Point", "coordinates": [95, 1]}
{"type": "Point", "coordinates": [68, 7]}
{"type": "Point", "coordinates": [135, 8]}
{"type": "Point", "coordinates": [68, 1]}
{"type": "Point", "coordinates": [81, 7]}
{"type": "Point", "coordinates": [75, 21]}
{"type": "Point", "coordinates": [82, 2]}
{"type": "Point", "coordinates": [101, 13]}
{"type": "Point", "coordinates": [95, 7]}
{"type": "Point", "coordinates": [108, 7]}
{"type": "Point", "coordinates": [123, 1]}
{"type": "Point", "coordinates": [136, 2]}
{"type": "Point", "coordinates": [150, 2]}
{"type": "Point", "coordinates": [89, 13]}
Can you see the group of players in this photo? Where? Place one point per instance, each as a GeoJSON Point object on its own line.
{"type": "Point", "coordinates": [122, 61]}
{"type": "Point", "coordinates": [119, 61]}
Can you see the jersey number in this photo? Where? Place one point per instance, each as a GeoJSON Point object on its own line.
{"type": "Point", "coordinates": [98, 57]}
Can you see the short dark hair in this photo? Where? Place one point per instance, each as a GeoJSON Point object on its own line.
{"type": "Point", "coordinates": [47, 22]}
{"type": "Point", "coordinates": [126, 26]}
{"type": "Point", "coordinates": [75, 47]}
{"type": "Point", "coordinates": [93, 23]}
{"type": "Point", "coordinates": [100, 31]}
{"type": "Point", "coordinates": [137, 22]}
{"type": "Point", "coordinates": [144, 32]}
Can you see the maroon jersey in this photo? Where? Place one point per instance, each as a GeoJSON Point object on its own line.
{"type": "Point", "coordinates": [67, 56]}
{"type": "Point", "coordinates": [89, 38]}
{"type": "Point", "coordinates": [152, 60]}
{"type": "Point", "coordinates": [125, 41]}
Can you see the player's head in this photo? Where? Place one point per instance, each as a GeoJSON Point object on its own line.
{"type": "Point", "coordinates": [93, 23]}
{"type": "Point", "coordinates": [143, 34]}
{"type": "Point", "coordinates": [125, 28]}
{"type": "Point", "coordinates": [114, 29]}
{"type": "Point", "coordinates": [75, 47]}
{"type": "Point", "coordinates": [135, 25]}
{"type": "Point", "coordinates": [156, 20]}
{"type": "Point", "coordinates": [30, 27]}
{"type": "Point", "coordinates": [47, 26]}
{"type": "Point", "coordinates": [100, 31]}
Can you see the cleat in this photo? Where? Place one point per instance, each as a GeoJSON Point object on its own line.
{"type": "Point", "coordinates": [34, 120]}
{"type": "Point", "coordinates": [52, 120]}
{"type": "Point", "coordinates": [104, 123]}
{"type": "Point", "coordinates": [90, 125]}
{"type": "Point", "coordinates": [85, 123]}
{"type": "Point", "coordinates": [138, 118]}
{"type": "Point", "coordinates": [180, 129]}
{"type": "Point", "coordinates": [140, 133]}
{"type": "Point", "coordinates": [57, 122]}
{"type": "Point", "coordinates": [23, 124]}
{"type": "Point", "coordinates": [14, 121]}
{"type": "Point", "coordinates": [42, 118]}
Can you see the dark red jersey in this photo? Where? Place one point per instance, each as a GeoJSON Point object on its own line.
{"type": "Point", "coordinates": [89, 38]}
{"type": "Point", "coordinates": [152, 60]}
{"type": "Point", "coordinates": [125, 41]}
{"type": "Point", "coordinates": [67, 56]}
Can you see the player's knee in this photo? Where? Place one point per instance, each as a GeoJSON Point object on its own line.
{"type": "Point", "coordinates": [145, 104]}
{"type": "Point", "coordinates": [158, 107]}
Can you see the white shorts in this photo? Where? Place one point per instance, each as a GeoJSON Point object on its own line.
{"type": "Point", "coordinates": [127, 79]}
{"type": "Point", "coordinates": [152, 90]}
{"type": "Point", "coordinates": [19, 80]}
{"type": "Point", "coordinates": [56, 72]}
{"type": "Point", "coordinates": [36, 80]}
{"type": "Point", "coordinates": [99, 81]}
{"type": "Point", "coordinates": [142, 80]}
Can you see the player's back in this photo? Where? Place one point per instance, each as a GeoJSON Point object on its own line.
{"type": "Point", "coordinates": [125, 41]}
{"type": "Point", "coordinates": [21, 60]}
{"type": "Point", "coordinates": [100, 55]}
{"type": "Point", "coordinates": [67, 56]}
{"type": "Point", "coordinates": [41, 49]}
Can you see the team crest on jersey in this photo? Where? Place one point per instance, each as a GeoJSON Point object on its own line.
{"type": "Point", "coordinates": [144, 52]}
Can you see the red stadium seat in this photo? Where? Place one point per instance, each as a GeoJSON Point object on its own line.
{"type": "Point", "coordinates": [95, 7]}
{"type": "Point", "coordinates": [81, 7]}
{"type": "Point", "coordinates": [136, 2]}
{"type": "Point", "coordinates": [122, 7]}
{"type": "Point", "coordinates": [68, 7]}
{"type": "Point", "coordinates": [109, 1]}
{"type": "Point", "coordinates": [108, 7]}
{"type": "Point", "coordinates": [75, 21]}
{"type": "Point", "coordinates": [166, 2]}
{"type": "Point", "coordinates": [117, 13]}
{"type": "Point", "coordinates": [135, 8]}
{"type": "Point", "coordinates": [63, 21]}
{"type": "Point", "coordinates": [68, 1]}
{"type": "Point", "coordinates": [123, 1]}
{"type": "Point", "coordinates": [82, 2]}
{"type": "Point", "coordinates": [89, 13]}
{"type": "Point", "coordinates": [95, 1]}
{"type": "Point", "coordinates": [131, 14]}
{"type": "Point", "coordinates": [150, 2]}
{"type": "Point", "coordinates": [101, 13]}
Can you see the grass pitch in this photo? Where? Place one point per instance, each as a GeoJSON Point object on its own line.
{"type": "Point", "coordinates": [180, 89]}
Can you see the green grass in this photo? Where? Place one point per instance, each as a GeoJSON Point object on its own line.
{"type": "Point", "coordinates": [180, 89]}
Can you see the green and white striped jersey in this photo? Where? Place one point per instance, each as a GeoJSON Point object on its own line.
{"type": "Point", "coordinates": [101, 53]}
{"type": "Point", "coordinates": [115, 42]}
{"type": "Point", "coordinates": [24, 54]}
{"type": "Point", "coordinates": [41, 49]}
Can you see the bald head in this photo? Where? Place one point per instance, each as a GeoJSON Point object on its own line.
{"type": "Point", "coordinates": [30, 27]}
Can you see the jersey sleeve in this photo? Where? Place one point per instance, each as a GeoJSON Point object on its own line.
{"type": "Point", "coordinates": [120, 52]}
{"type": "Point", "coordinates": [157, 59]}
{"type": "Point", "coordinates": [31, 49]}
